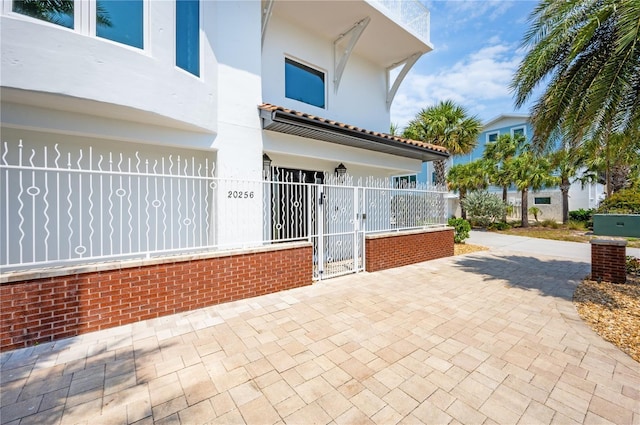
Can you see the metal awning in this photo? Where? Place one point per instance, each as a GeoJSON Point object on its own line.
{"type": "Point", "coordinates": [282, 120]}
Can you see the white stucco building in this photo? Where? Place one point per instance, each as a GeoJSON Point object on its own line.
{"type": "Point", "coordinates": [216, 87]}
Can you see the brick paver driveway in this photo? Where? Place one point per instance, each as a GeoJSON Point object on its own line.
{"type": "Point", "coordinates": [486, 338]}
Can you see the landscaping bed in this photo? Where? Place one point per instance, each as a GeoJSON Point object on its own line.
{"type": "Point", "coordinates": [463, 248]}
{"type": "Point", "coordinates": [560, 233]}
{"type": "Point", "coordinates": [612, 310]}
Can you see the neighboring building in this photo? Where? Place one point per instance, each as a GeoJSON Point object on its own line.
{"type": "Point", "coordinates": [224, 89]}
{"type": "Point", "coordinates": [548, 200]}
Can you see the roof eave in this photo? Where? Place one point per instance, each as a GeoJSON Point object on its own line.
{"type": "Point", "coordinates": [281, 121]}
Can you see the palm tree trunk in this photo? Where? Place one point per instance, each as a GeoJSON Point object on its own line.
{"type": "Point", "coordinates": [439, 168]}
{"type": "Point", "coordinates": [463, 212]}
{"type": "Point", "coordinates": [525, 207]}
{"type": "Point", "coordinates": [504, 199]}
{"type": "Point", "coordinates": [564, 188]}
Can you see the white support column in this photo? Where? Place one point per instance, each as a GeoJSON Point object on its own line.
{"type": "Point", "coordinates": [393, 88]}
{"type": "Point", "coordinates": [340, 58]}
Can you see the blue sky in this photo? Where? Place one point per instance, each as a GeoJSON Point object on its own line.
{"type": "Point", "coordinates": [476, 52]}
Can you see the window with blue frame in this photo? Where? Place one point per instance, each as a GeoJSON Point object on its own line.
{"type": "Point", "coordinates": [188, 35]}
{"type": "Point", "coordinates": [126, 21]}
{"type": "Point", "coordinates": [304, 83]}
{"type": "Point", "coordinates": [57, 12]}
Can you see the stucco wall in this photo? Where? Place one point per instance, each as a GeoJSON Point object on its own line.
{"type": "Point", "coordinates": [361, 98]}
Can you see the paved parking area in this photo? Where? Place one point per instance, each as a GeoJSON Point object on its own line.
{"type": "Point", "coordinates": [490, 337]}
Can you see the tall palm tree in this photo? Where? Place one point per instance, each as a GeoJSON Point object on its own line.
{"type": "Point", "coordinates": [567, 162]}
{"type": "Point", "coordinates": [497, 155]}
{"type": "Point", "coordinates": [467, 177]}
{"type": "Point", "coordinates": [530, 171]}
{"type": "Point", "coordinates": [618, 160]}
{"type": "Point", "coordinates": [448, 125]}
{"type": "Point", "coordinates": [589, 53]}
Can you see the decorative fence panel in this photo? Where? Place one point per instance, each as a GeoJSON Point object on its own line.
{"type": "Point", "coordinates": [63, 207]}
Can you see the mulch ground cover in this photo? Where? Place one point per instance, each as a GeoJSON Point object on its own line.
{"type": "Point", "coordinates": [612, 310]}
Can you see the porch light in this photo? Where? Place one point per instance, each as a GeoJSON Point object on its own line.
{"type": "Point", "coordinates": [266, 166]}
{"type": "Point", "coordinates": [341, 170]}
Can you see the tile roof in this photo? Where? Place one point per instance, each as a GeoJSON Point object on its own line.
{"type": "Point", "coordinates": [338, 125]}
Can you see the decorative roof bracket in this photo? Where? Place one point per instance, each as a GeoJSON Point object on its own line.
{"type": "Point", "coordinates": [392, 88]}
{"type": "Point", "coordinates": [341, 57]}
{"type": "Point", "coordinates": [267, 6]}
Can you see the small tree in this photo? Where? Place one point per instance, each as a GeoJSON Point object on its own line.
{"type": "Point", "coordinates": [536, 212]}
{"type": "Point", "coordinates": [484, 208]}
{"type": "Point", "coordinates": [567, 162]}
{"type": "Point", "coordinates": [466, 178]}
{"type": "Point", "coordinates": [530, 171]}
{"type": "Point", "coordinates": [497, 156]}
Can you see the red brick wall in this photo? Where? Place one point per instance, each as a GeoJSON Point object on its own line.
{"type": "Point", "coordinates": [404, 248]}
{"type": "Point", "coordinates": [64, 306]}
{"type": "Point", "coordinates": [608, 261]}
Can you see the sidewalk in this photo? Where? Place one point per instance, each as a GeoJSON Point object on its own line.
{"type": "Point", "coordinates": [490, 337]}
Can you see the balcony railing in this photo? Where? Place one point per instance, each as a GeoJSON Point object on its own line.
{"type": "Point", "coordinates": [411, 13]}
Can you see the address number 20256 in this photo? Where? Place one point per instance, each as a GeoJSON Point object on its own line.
{"type": "Point", "coordinates": [235, 194]}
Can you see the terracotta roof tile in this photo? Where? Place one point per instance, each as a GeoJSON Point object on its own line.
{"type": "Point", "coordinates": [269, 107]}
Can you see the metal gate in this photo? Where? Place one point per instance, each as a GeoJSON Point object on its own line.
{"type": "Point", "coordinates": [334, 214]}
{"type": "Point", "coordinates": [329, 215]}
{"type": "Point", "coordinates": [339, 240]}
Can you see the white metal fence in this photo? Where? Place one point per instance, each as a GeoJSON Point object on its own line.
{"type": "Point", "coordinates": [68, 207]}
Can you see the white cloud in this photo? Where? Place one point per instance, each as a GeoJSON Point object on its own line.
{"type": "Point", "coordinates": [469, 10]}
{"type": "Point", "coordinates": [478, 82]}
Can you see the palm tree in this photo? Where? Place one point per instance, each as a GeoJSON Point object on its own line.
{"type": "Point", "coordinates": [567, 161]}
{"type": "Point", "coordinates": [589, 53]}
{"type": "Point", "coordinates": [497, 155]}
{"type": "Point", "coordinates": [467, 177]}
{"type": "Point", "coordinates": [618, 160]}
{"type": "Point", "coordinates": [448, 125]}
{"type": "Point", "coordinates": [529, 171]}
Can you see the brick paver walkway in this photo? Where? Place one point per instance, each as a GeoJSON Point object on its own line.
{"type": "Point", "coordinates": [484, 338]}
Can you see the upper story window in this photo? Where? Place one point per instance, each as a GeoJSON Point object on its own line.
{"type": "Point", "coordinates": [304, 83]}
{"type": "Point", "coordinates": [492, 137]}
{"type": "Point", "coordinates": [188, 35]}
{"type": "Point", "coordinates": [57, 12]}
{"type": "Point", "coordinates": [117, 20]}
{"type": "Point", "coordinates": [125, 21]}
{"type": "Point", "coordinates": [519, 131]}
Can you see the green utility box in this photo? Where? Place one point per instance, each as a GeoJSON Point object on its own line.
{"type": "Point", "coordinates": [627, 225]}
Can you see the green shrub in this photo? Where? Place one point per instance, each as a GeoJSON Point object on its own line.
{"type": "Point", "coordinates": [633, 265]}
{"type": "Point", "coordinates": [550, 223]}
{"type": "Point", "coordinates": [625, 201]}
{"type": "Point", "coordinates": [499, 225]}
{"type": "Point", "coordinates": [461, 229]}
{"type": "Point", "coordinates": [483, 208]}
{"type": "Point", "coordinates": [576, 225]}
{"type": "Point", "coordinates": [581, 215]}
